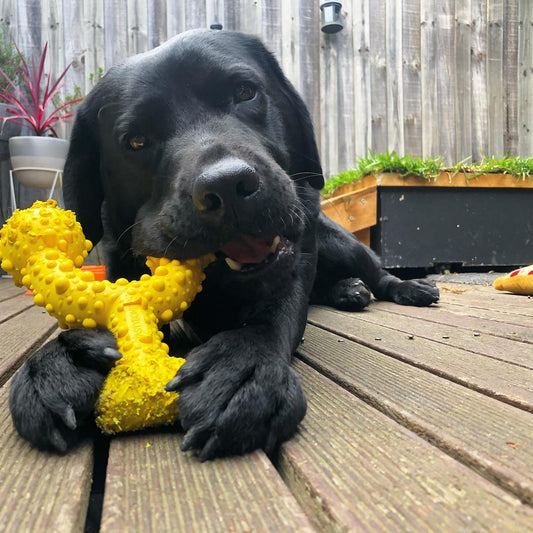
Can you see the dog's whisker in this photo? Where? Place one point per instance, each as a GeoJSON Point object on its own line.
{"type": "Point", "coordinates": [129, 228]}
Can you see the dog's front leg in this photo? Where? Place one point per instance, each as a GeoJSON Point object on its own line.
{"type": "Point", "coordinates": [238, 391]}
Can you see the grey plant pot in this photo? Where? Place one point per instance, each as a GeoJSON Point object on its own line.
{"type": "Point", "coordinates": [34, 154]}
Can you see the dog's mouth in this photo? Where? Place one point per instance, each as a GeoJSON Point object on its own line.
{"type": "Point", "coordinates": [246, 253]}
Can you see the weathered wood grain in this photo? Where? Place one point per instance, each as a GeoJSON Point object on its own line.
{"type": "Point", "coordinates": [510, 77]}
{"type": "Point", "coordinates": [428, 327]}
{"type": "Point", "coordinates": [460, 317]}
{"type": "Point", "coordinates": [115, 32]}
{"type": "Point", "coordinates": [354, 469]}
{"type": "Point", "coordinates": [428, 89]}
{"type": "Point", "coordinates": [430, 348]}
{"type": "Point", "coordinates": [362, 78]}
{"type": "Point", "coordinates": [470, 426]}
{"type": "Point", "coordinates": [495, 86]}
{"type": "Point", "coordinates": [13, 306]}
{"type": "Point", "coordinates": [446, 79]}
{"type": "Point", "coordinates": [463, 109]}
{"type": "Point", "coordinates": [411, 64]}
{"type": "Point", "coordinates": [41, 491]}
{"type": "Point", "coordinates": [157, 23]}
{"type": "Point", "coordinates": [8, 290]}
{"type": "Point", "coordinates": [139, 16]}
{"type": "Point", "coordinates": [393, 60]}
{"type": "Point", "coordinates": [152, 486]}
{"type": "Point", "coordinates": [378, 76]}
{"type": "Point", "coordinates": [20, 337]}
{"type": "Point", "coordinates": [479, 80]}
{"type": "Point", "coordinates": [525, 79]}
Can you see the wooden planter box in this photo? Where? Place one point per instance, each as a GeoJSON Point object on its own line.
{"type": "Point", "coordinates": [453, 220]}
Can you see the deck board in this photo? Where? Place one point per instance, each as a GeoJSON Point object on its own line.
{"type": "Point", "coordinates": [21, 336]}
{"type": "Point", "coordinates": [419, 420]}
{"type": "Point", "coordinates": [39, 491]}
{"type": "Point", "coordinates": [465, 317]}
{"type": "Point", "coordinates": [355, 469]}
{"type": "Point", "coordinates": [429, 348]}
{"type": "Point", "coordinates": [469, 425]}
{"type": "Point", "coordinates": [233, 494]}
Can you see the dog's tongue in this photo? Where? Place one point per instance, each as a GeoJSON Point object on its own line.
{"type": "Point", "coordinates": [247, 249]}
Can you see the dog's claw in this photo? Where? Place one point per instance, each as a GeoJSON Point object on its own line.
{"type": "Point", "coordinates": [69, 417]}
{"type": "Point", "coordinates": [57, 441]}
{"type": "Point", "coordinates": [112, 354]}
{"type": "Point", "coordinates": [173, 384]}
{"type": "Point", "coordinates": [209, 451]}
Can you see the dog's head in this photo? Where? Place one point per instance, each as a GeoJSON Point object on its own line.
{"type": "Point", "coordinates": [200, 145]}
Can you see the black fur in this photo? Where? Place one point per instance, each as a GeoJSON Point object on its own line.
{"type": "Point", "coordinates": [173, 154]}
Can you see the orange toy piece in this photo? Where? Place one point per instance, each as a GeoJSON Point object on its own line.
{"type": "Point", "coordinates": [43, 248]}
{"type": "Point", "coordinates": [519, 281]}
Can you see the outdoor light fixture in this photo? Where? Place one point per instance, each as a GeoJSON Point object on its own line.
{"type": "Point", "coordinates": [331, 17]}
{"type": "Point", "coordinates": [216, 26]}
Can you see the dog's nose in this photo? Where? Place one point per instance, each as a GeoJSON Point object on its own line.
{"type": "Point", "coordinates": [224, 184]}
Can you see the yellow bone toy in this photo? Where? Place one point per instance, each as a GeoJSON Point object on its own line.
{"type": "Point", "coordinates": [43, 248]}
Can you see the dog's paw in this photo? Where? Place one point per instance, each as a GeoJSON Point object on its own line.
{"type": "Point", "coordinates": [235, 397]}
{"type": "Point", "coordinates": [417, 292]}
{"type": "Point", "coordinates": [350, 294]}
{"type": "Point", "coordinates": [56, 389]}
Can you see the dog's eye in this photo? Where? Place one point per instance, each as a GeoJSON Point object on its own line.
{"type": "Point", "coordinates": [243, 92]}
{"type": "Point", "coordinates": [137, 143]}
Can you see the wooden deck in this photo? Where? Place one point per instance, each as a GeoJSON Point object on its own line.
{"type": "Point", "coordinates": [418, 420]}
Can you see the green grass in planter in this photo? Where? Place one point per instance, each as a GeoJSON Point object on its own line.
{"type": "Point", "coordinates": [428, 168]}
{"type": "Point", "coordinates": [406, 165]}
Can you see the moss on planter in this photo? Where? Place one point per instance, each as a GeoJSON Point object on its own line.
{"type": "Point", "coordinates": [427, 169]}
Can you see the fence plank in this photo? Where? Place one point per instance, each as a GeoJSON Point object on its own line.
{"type": "Point", "coordinates": [393, 54]}
{"type": "Point", "coordinates": [510, 77]}
{"type": "Point", "coordinates": [495, 76]}
{"type": "Point", "coordinates": [525, 65]}
{"type": "Point", "coordinates": [362, 94]}
{"type": "Point", "coordinates": [272, 27]}
{"type": "Point", "coordinates": [29, 23]}
{"type": "Point", "coordinates": [412, 109]}
{"type": "Point", "coordinates": [138, 14]}
{"type": "Point", "coordinates": [116, 32]}
{"type": "Point", "coordinates": [309, 58]}
{"type": "Point", "coordinates": [94, 39]}
{"type": "Point", "coordinates": [479, 80]}
{"type": "Point", "coordinates": [74, 47]}
{"type": "Point", "coordinates": [157, 23]}
{"type": "Point", "coordinates": [429, 79]}
{"type": "Point", "coordinates": [446, 79]}
{"type": "Point", "coordinates": [378, 76]}
{"type": "Point", "coordinates": [345, 98]}
{"type": "Point", "coordinates": [463, 123]}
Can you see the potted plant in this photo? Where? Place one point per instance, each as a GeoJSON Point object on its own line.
{"type": "Point", "coordinates": [9, 62]}
{"type": "Point", "coordinates": [418, 213]}
{"type": "Point", "coordinates": [30, 103]}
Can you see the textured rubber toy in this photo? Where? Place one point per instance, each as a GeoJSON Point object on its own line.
{"type": "Point", "coordinates": [43, 248]}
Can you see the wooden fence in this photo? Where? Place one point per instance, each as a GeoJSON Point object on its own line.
{"type": "Point", "coordinates": [426, 77]}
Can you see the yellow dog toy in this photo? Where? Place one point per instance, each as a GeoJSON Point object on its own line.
{"type": "Point", "coordinates": [519, 281]}
{"type": "Point", "coordinates": [43, 248]}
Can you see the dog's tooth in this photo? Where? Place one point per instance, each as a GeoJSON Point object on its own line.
{"type": "Point", "coordinates": [234, 265]}
{"type": "Point", "coordinates": [275, 244]}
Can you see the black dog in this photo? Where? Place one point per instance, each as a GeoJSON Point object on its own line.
{"type": "Point", "coordinates": [199, 146]}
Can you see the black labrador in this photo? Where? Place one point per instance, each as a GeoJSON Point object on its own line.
{"type": "Point", "coordinates": [202, 145]}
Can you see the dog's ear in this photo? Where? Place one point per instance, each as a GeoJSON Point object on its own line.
{"type": "Point", "coordinates": [82, 184]}
{"type": "Point", "coordinates": [305, 160]}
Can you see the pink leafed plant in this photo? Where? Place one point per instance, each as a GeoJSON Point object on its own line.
{"type": "Point", "coordinates": [30, 102]}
